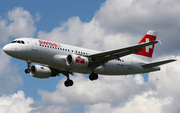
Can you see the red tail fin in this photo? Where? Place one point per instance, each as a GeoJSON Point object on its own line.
{"type": "Point", "coordinates": [148, 50]}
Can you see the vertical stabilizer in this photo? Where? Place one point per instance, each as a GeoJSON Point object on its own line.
{"type": "Point", "coordinates": [147, 52]}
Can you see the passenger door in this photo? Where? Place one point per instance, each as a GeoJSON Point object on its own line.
{"type": "Point", "coordinates": [34, 44]}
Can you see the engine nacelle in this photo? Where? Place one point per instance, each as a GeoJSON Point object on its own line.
{"type": "Point", "coordinates": [59, 59]}
{"type": "Point", "coordinates": [39, 71]}
{"type": "Point", "coordinates": [77, 61]}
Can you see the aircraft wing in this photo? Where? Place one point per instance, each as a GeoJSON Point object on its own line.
{"type": "Point", "coordinates": [155, 64]}
{"type": "Point", "coordinates": [103, 57]}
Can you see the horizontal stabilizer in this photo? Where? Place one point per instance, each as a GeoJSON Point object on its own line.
{"type": "Point", "coordinates": [155, 64]}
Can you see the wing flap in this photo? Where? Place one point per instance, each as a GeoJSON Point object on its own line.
{"type": "Point", "coordinates": [155, 64]}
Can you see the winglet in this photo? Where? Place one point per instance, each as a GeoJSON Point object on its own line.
{"type": "Point", "coordinates": [160, 41]}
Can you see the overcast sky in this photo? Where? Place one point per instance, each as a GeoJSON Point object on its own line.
{"type": "Point", "coordinates": [99, 25]}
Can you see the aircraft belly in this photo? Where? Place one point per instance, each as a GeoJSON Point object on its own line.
{"type": "Point", "coordinates": [121, 68]}
{"type": "Point", "coordinates": [82, 70]}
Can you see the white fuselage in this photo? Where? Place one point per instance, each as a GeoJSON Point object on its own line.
{"type": "Point", "coordinates": [45, 52]}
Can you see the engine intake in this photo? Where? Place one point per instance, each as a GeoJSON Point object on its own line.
{"type": "Point", "coordinates": [39, 71]}
{"type": "Point", "coordinates": [77, 61]}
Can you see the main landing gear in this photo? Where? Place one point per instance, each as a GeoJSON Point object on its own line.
{"type": "Point", "coordinates": [93, 76]}
{"type": "Point", "coordinates": [69, 82]}
{"type": "Point", "coordinates": [28, 65]}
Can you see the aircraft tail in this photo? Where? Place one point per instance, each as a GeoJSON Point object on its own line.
{"type": "Point", "coordinates": [147, 52]}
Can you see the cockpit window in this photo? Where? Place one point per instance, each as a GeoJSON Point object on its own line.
{"type": "Point", "coordinates": [22, 42]}
{"type": "Point", "coordinates": [18, 41]}
{"type": "Point", "coordinates": [13, 42]}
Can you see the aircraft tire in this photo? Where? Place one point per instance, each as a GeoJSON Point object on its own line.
{"type": "Point", "coordinates": [27, 71]}
{"type": "Point", "coordinates": [93, 76]}
{"type": "Point", "coordinates": [68, 83]}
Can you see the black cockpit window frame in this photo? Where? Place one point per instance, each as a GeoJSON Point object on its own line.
{"type": "Point", "coordinates": [18, 41]}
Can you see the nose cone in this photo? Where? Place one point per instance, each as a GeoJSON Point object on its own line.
{"type": "Point", "coordinates": [7, 49]}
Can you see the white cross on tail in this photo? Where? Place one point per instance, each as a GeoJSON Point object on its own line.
{"type": "Point", "coordinates": [148, 47]}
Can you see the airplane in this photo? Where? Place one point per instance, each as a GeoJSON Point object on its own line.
{"type": "Point", "coordinates": [57, 58]}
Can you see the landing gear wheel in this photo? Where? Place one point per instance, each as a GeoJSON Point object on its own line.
{"type": "Point", "coordinates": [68, 83]}
{"type": "Point", "coordinates": [93, 76]}
{"type": "Point", "coordinates": [27, 71]}
{"type": "Point", "coordinates": [28, 65]}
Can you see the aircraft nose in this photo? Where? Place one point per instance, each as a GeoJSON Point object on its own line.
{"type": "Point", "coordinates": [7, 49]}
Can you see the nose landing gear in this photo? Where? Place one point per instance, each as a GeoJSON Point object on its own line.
{"type": "Point", "coordinates": [68, 82]}
{"type": "Point", "coordinates": [28, 65]}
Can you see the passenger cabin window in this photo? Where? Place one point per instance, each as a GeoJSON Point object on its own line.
{"type": "Point", "coordinates": [59, 48]}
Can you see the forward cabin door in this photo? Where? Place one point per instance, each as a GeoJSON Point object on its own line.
{"type": "Point", "coordinates": [34, 44]}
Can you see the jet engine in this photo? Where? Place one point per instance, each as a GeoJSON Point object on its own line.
{"type": "Point", "coordinates": [77, 61]}
{"type": "Point", "coordinates": [59, 59]}
{"type": "Point", "coordinates": [39, 71]}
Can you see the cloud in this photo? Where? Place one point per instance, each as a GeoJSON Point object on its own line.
{"type": "Point", "coordinates": [10, 79]}
{"type": "Point", "coordinates": [37, 17]}
{"type": "Point", "coordinates": [139, 79]}
{"type": "Point", "coordinates": [15, 103]}
{"type": "Point", "coordinates": [113, 90]}
{"type": "Point", "coordinates": [88, 35]}
{"type": "Point", "coordinates": [135, 17]}
{"type": "Point", "coordinates": [20, 23]}
{"type": "Point", "coordinates": [120, 23]}
{"type": "Point", "coordinates": [166, 82]}
{"type": "Point", "coordinates": [145, 103]}
{"type": "Point", "coordinates": [51, 109]}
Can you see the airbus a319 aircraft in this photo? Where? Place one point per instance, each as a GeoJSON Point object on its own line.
{"type": "Point", "coordinates": [56, 58]}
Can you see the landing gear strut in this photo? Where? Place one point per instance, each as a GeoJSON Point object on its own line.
{"type": "Point", "coordinates": [93, 76]}
{"type": "Point", "coordinates": [28, 65]}
{"type": "Point", "coordinates": [68, 82]}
